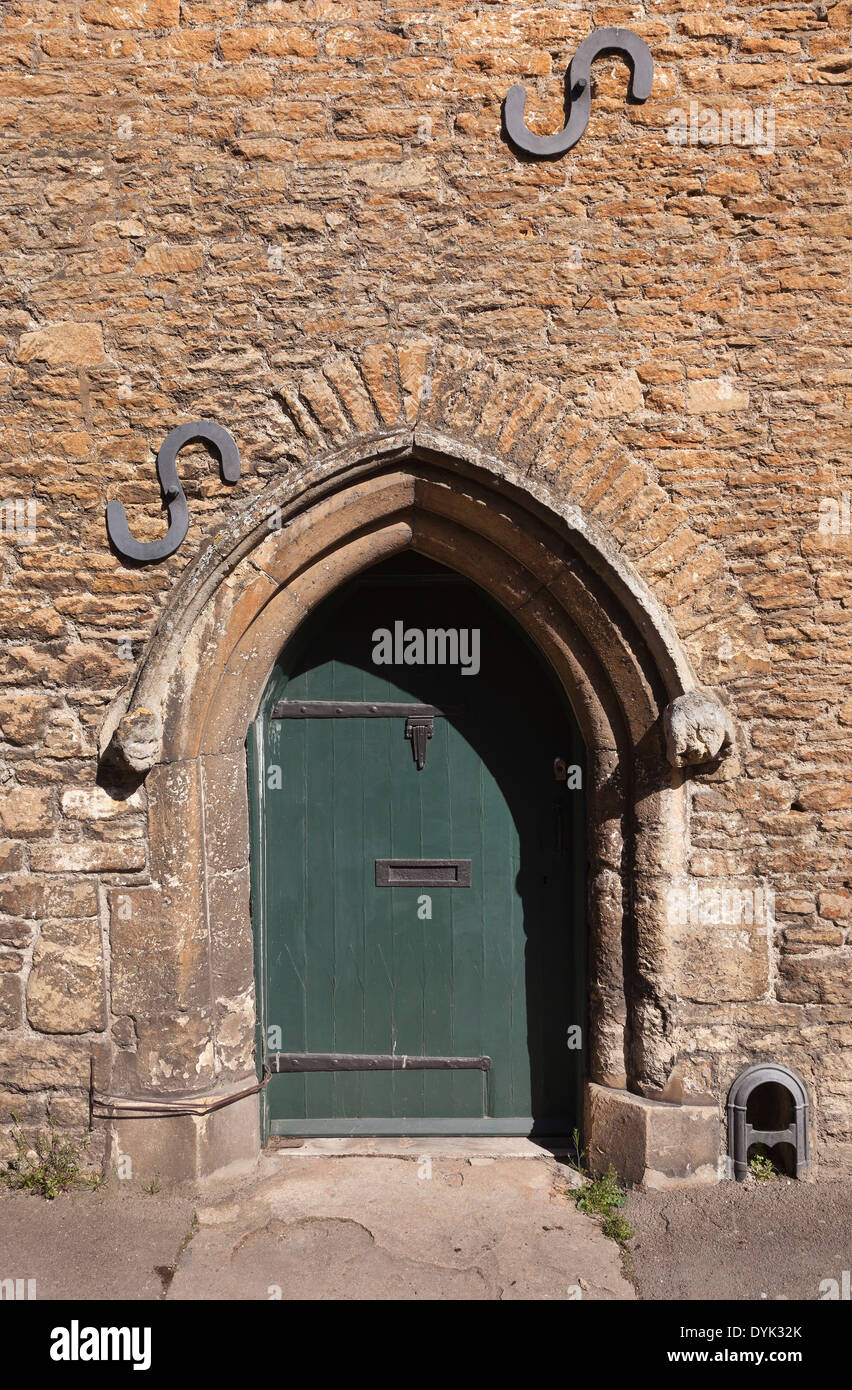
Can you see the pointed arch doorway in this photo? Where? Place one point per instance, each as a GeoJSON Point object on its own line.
{"type": "Point", "coordinates": [200, 686]}
{"type": "Point", "coordinates": [416, 785]}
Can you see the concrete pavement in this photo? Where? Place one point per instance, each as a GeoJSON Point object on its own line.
{"type": "Point", "coordinates": [425, 1226]}
{"type": "Point", "coordinates": [424, 1219]}
{"type": "Point", "coordinates": [776, 1240]}
{"type": "Point", "coordinates": [454, 1220]}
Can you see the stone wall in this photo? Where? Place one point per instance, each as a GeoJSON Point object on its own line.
{"type": "Point", "coordinates": [302, 220]}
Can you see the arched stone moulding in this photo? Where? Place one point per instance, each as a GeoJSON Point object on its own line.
{"type": "Point", "coordinates": [182, 964]}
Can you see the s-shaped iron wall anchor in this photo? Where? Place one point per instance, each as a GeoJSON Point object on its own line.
{"type": "Point", "coordinates": [144, 552]}
{"type": "Point", "coordinates": [578, 89]}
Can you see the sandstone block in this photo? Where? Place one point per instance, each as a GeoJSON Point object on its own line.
{"type": "Point", "coordinates": [64, 345]}
{"type": "Point", "coordinates": [132, 14]}
{"type": "Point", "coordinates": [23, 716]}
{"type": "Point", "coordinates": [161, 259]}
{"type": "Point", "coordinates": [619, 397]}
{"type": "Point", "coordinates": [817, 979]}
{"type": "Point", "coordinates": [651, 1144]}
{"type": "Point", "coordinates": [25, 810]}
{"type": "Point", "coordinates": [119, 856]}
{"type": "Point", "coordinates": [42, 1064]}
{"type": "Point", "coordinates": [714, 396]}
{"type": "Point", "coordinates": [94, 803]}
{"type": "Point", "coordinates": [11, 998]}
{"type": "Point", "coordinates": [65, 988]}
{"type": "Point", "coordinates": [837, 907]}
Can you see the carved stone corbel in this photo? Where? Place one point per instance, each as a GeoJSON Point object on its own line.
{"type": "Point", "coordinates": [698, 729]}
{"type": "Point", "coordinates": [137, 738]}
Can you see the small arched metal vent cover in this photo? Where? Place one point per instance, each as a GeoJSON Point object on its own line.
{"type": "Point", "coordinates": [742, 1134]}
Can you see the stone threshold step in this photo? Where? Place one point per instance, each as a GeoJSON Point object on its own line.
{"type": "Point", "coordinates": [476, 1146]}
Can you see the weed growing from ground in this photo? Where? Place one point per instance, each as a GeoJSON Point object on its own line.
{"type": "Point", "coordinates": [603, 1197]}
{"type": "Point", "coordinates": [48, 1165]}
{"type": "Point", "coordinates": [761, 1167]}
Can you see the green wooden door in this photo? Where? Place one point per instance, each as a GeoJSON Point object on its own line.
{"type": "Point", "coordinates": [348, 966]}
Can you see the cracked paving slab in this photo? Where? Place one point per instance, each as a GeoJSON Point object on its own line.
{"type": "Point", "coordinates": [398, 1228]}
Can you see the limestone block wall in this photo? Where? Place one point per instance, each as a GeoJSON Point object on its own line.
{"type": "Point", "coordinates": [302, 220]}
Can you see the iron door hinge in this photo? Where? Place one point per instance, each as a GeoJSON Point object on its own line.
{"type": "Point", "coordinates": [419, 719]}
{"type": "Point", "coordinates": [419, 729]}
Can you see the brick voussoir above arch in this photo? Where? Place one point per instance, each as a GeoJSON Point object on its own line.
{"type": "Point", "coordinates": [437, 400]}
{"type": "Point", "coordinates": [583, 463]}
{"type": "Point", "coordinates": [456, 392]}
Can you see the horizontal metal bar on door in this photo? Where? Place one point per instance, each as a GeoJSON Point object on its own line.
{"type": "Point", "coordinates": [355, 1061]}
{"type": "Point", "coordinates": [457, 1127]}
{"type": "Point", "coordinates": [352, 709]}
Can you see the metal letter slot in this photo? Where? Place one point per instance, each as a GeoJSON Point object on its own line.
{"type": "Point", "coordinates": [423, 873]}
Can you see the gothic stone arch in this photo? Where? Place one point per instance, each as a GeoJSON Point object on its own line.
{"type": "Point", "coordinates": [554, 554]}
